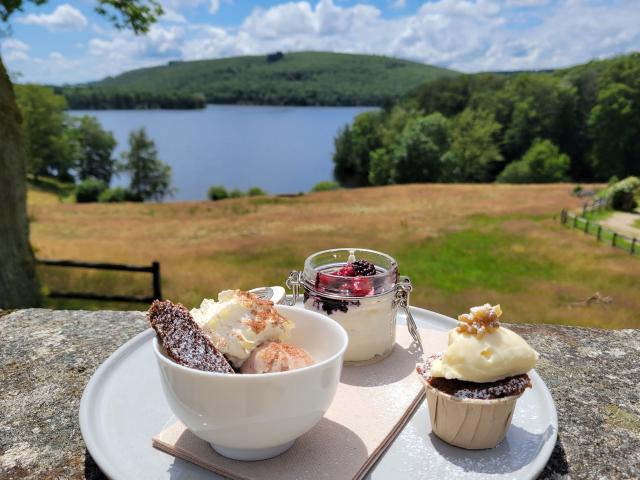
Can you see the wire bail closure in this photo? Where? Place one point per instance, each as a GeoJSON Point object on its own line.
{"type": "Point", "coordinates": [293, 283]}
{"type": "Point", "coordinates": [403, 290]}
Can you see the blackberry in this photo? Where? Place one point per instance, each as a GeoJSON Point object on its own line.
{"type": "Point", "coordinates": [362, 268]}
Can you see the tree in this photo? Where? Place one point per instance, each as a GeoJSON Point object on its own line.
{"type": "Point", "coordinates": [96, 147]}
{"type": "Point", "coordinates": [343, 168]}
{"type": "Point", "coordinates": [150, 177]}
{"type": "Point", "coordinates": [50, 145]}
{"type": "Point", "coordinates": [89, 190]}
{"type": "Point", "coordinates": [353, 145]}
{"type": "Point", "coordinates": [18, 282]}
{"type": "Point", "coordinates": [381, 171]}
{"type": "Point", "coordinates": [543, 163]}
{"type": "Point", "coordinates": [217, 192]}
{"type": "Point", "coordinates": [543, 106]}
{"type": "Point", "coordinates": [615, 127]}
{"type": "Point", "coordinates": [474, 150]}
{"type": "Point", "coordinates": [418, 155]}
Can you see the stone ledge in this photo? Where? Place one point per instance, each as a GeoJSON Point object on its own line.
{"type": "Point", "coordinates": [47, 357]}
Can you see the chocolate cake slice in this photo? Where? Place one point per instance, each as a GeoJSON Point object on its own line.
{"type": "Point", "coordinates": [183, 339]}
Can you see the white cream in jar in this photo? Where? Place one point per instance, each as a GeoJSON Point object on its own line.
{"type": "Point", "coordinates": [358, 289]}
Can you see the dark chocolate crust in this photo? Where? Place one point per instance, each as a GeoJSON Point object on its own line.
{"type": "Point", "coordinates": [183, 339]}
{"type": "Point", "coordinates": [505, 387]}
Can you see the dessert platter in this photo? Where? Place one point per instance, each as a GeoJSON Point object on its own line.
{"type": "Point", "coordinates": [325, 383]}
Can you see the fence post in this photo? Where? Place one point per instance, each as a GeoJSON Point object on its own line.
{"type": "Point", "coordinates": [586, 226]}
{"type": "Point", "coordinates": [632, 250]}
{"type": "Point", "coordinates": [599, 235]}
{"type": "Point", "coordinates": [157, 287]}
{"type": "Point", "coordinates": [613, 239]}
{"type": "Point", "coordinates": [575, 221]}
{"type": "Point", "coordinates": [563, 216]}
{"type": "Point", "coordinates": [584, 209]}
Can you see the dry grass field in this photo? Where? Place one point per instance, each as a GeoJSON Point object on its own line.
{"type": "Point", "coordinates": [461, 245]}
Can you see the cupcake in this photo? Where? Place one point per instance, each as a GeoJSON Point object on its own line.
{"type": "Point", "coordinates": [472, 387]}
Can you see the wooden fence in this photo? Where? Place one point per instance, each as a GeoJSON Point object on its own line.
{"type": "Point", "coordinates": [154, 269]}
{"type": "Point", "coordinates": [602, 234]}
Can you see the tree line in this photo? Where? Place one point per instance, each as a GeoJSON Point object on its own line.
{"type": "Point", "coordinates": [78, 149]}
{"type": "Point", "coordinates": [581, 124]}
{"type": "Point", "coordinates": [85, 98]}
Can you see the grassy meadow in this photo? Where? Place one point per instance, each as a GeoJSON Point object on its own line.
{"type": "Point", "coordinates": [461, 245]}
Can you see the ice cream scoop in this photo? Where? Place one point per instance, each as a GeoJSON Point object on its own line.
{"type": "Point", "coordinates": [480, 350]}
{"type": "Point", "coordinates": [239, 322]}
{"type": "Point", "coordinates": [276, 357]}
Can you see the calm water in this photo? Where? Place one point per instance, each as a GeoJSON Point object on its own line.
{"type": "Point", "coordinates": [279, 149]}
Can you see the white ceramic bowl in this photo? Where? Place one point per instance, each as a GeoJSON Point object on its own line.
{"type": "Point", "coordinates": [258, 416]}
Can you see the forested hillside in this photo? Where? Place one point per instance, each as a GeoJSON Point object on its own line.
{"type": "Point", "coordinates": [580, 123]}
{"type": "Point", "coordinates": [302, 78]}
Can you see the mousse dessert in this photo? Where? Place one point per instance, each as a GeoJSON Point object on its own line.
{"type": "Point", "coordinates": [359, 295]}
{"type": "Point", "coordinates": [238, 333]}
{"type": "Point", "coordinates": [472, 387]}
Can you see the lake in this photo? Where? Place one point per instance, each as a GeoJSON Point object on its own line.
{"type": "Point", "coordinates": [279, 149]}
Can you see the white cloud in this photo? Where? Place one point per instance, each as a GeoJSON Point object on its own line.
{"type": "Point", "coordinates": [301, 18]}
{"type": "Point", "coordinates": [398, 4]}
{"type": "Point", "coordinates": [63, 18]}
{"type": "Point", "coordinates": [170, 15]}
{"type": "Point", "coordinates": [15, 50]}
{"type": "Point", "coordinates": [527, 3]}
{"type": "Point", "coordinates": [176, 5]}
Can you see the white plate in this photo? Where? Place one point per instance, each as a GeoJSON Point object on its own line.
{"type": "Point", "coordinates": [123, 406]}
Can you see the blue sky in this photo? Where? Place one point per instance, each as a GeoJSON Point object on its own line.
{"type": "Point", "coordinates": [67, 42]}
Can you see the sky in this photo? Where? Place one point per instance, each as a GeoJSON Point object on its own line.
{"type": "Point", "coordinates": [67, 42]}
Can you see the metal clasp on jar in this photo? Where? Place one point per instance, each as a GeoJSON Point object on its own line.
{"type": "Point", "coordinates": [403, 289]}
{"type": "Point", "coordinates": [293, 283]}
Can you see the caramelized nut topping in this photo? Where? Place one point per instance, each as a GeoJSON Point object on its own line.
{"type": "Point", "coordinates": [480, 321]}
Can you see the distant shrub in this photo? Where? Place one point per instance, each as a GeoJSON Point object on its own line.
{"type": "Point", "coordinates": [623, 201]}
{"type": "Point", "coordinates": [621, 195]}
{"type": "Point", "coordinates": [236, 193]}
{"type": "Point", "coordinates": [113, 195]}
{"type": "Point", "coordinates": [325, 186]}
{"type": "Point", "coordinates": [89, 190]}
{"type": "Point", "coordinates": [274, 57]}
{"type": "Point", "coordinates": [256, 192]}
{"type": "Point", "coordinates": [217, 192]}
{"type": "Point", "coordinates": [543, 163]}
{"type": "Point", "coordinates": [577, 190]}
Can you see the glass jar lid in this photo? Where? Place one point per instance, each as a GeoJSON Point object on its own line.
{"type": "Point", "coordinates": [322, 273]}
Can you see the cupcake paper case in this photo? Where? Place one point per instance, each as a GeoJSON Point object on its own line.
{"type": "Point", "coordinates": [469, 423]}
{"type": "Point", "coordinates": [471, 408]}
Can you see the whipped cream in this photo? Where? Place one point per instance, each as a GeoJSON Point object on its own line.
{"type": "Point", "coordinates": [239, 322]}
{"type": "Point", "coordinates": [480, 350]}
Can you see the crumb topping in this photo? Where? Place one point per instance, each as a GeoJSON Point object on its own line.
{"type": "Point", "coordinates": [480, 320]}
{"type": "Point", "coordinates": [263, 312]}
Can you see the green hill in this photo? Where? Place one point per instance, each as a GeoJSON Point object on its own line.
{"type": "Point", "coordinates": [302, 78]}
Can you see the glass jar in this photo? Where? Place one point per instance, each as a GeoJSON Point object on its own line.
{"type": "Point", "coordinates": [366, 306]}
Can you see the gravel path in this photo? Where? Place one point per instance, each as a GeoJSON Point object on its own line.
{"type": "Point", "coordinates": [623, 223]}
